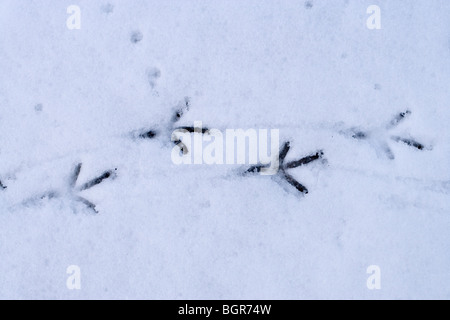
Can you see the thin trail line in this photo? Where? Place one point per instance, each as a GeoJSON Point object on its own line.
{"type": "Point", "coordinates": [441, 186]}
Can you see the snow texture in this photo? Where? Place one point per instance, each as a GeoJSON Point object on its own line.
{"type": "Point", "coordinates": [85, 151]}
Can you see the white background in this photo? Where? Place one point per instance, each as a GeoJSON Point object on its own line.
{"type": "Point", "coordinates": [203, 232]}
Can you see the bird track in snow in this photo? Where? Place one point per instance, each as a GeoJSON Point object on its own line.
{"type": "Point", "coordinates": [378, 137]}
{"type": "Point", "coordinates": [289, 165]}
{"type": "Point", "coordinates": [72, 192]}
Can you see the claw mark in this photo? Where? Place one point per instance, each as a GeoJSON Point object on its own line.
{"type": "Point", "coordinates": [183, 148]}
{"type": "Point", "coordinates": [399, 118]}
{"type": "Point", "coordinates": [360, 135]}
{"type": "Point", "coordinates": [148, 134]}
{"type": "Point", "coordinates": [295, 183]}
{"type": "Point", "coordinates": [306, 160]}
{"type": "Point", "coordinates": [97, 181]}
{"type": "Point", "coordinates": [50, 195]}
{"type": "Point", "coordinates": [387, 150]}
{"type": "Point", "coordinates": [87, 203]}
{"type": "Point", "coordinates": [181, 110]}
{"type": "Point", "coordinates": [290, 165]}
{"type": "Point", "coordinates": [409, 142]}
{"type": "Point", "coordinates": [75, 175]}
{"type": "Point", "coordinates": [284, 151]}
{"type": "Point", "coordinates": [194, 130]}
{"type": "Point", "coordinates": [254, 169]}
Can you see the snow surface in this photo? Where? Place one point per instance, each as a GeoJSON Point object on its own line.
{"type": "Point", "coordinates": [205, 232]}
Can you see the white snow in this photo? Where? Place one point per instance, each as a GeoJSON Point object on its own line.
{"type": "Point", "coordinates": [205, 232]}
